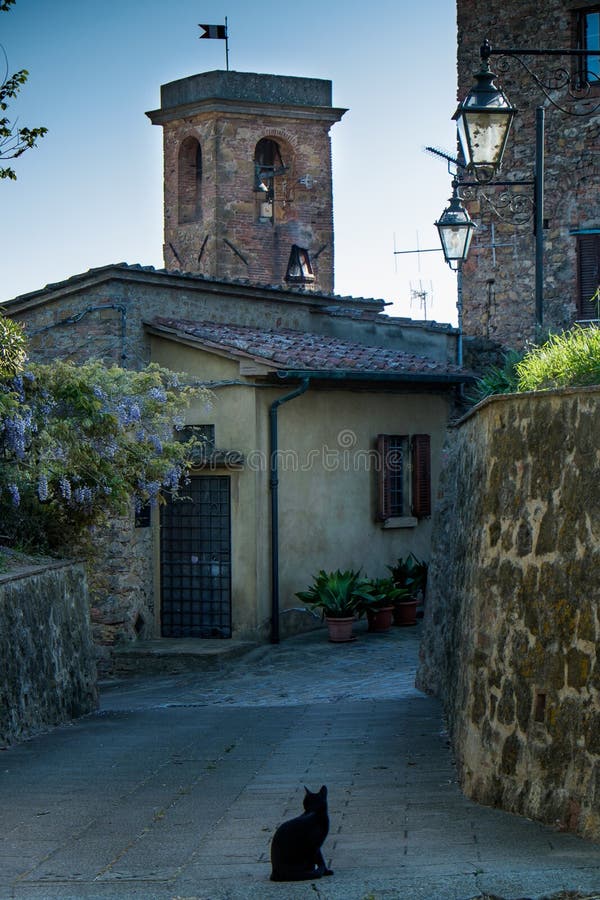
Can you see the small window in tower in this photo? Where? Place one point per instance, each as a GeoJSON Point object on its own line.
{"type": "Point", "coordinates": [299, 269]}
{"type": "Point", "coordinates": [190, 181]}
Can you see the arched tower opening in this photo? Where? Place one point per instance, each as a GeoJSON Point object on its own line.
{"type": "Point", "coordinates": [189, 181]}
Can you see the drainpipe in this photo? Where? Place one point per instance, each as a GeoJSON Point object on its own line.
{"type": "Point", "coordinates": [274, 484]}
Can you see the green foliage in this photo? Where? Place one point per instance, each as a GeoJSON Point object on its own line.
{"type": "Point", "coordinates": [13, 347]}
{"type": "Point", "coordinates": [14, 141]}
{"type": "Point", "coordinates": [384, 592]}
{"type": "Point", "coordinates": [502, 379]}
{"type": "Point", "coordinates": [337, 594]}
{"type": "Point", "coordinates": [410, 574]}
{"type": "Point", "coordinates": [80, 443]}
{"type": "Point", "coordinates": [568, 359]}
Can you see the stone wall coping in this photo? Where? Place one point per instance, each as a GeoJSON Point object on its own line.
{"type": "Point", "coordinates": [253, 86]}
{"type": "Point", "coordinates": [500, 398]}
{"type": "Point", "coordinates": [26, 571]}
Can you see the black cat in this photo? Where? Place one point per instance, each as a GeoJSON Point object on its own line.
{"type": "Point", "coordinates": [296, 845]}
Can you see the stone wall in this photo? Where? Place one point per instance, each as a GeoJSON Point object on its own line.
{"type": "Point", "coordinates": [121, 587]}
{"type": "Point", "coordinates": [47, 669]}
{"type": "Point", "coordinates": [512, 620]}
{"type": "Point", "coordinates": [498, 284]}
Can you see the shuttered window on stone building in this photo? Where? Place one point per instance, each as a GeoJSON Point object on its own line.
{"type": "Point", "coordinates": [588, 275]}
{"type": "Point", "coordinates": [404, 476]}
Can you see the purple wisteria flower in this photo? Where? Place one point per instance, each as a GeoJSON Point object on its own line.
{"type": "Point", "coordinates": [42, 488]}
{"type": "Point", "coordinates": [64, 486]}
{"type": "Point", "coordinates": [156, 442]}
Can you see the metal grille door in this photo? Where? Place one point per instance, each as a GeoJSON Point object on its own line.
{"type": "Point", "coordinates": [196, 561]}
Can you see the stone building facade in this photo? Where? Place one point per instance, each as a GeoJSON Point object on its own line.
{"type": "Point", "coordinates": [247, 177]}
{"type": "Point", "coordinates": [251, 346]}
{"type": "Point", "coordinates": [498, 278]}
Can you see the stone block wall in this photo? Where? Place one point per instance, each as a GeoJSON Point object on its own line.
{"type": "Point", "coordinates": [512, 621]}
{"type": "Point", "coordinates": [498, 284]}
{"type": "Point", "coordinates": [121, 587]}
{"type": "Point", "coordinates": [47, 668]}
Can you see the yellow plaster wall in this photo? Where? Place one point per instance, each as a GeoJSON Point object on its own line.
{"type": "Point", "coordinates": [328, 481]}
{"type": "Point", "coordinates": [327, 478]}
{"type": "Point", "coordinates": [233, 414]}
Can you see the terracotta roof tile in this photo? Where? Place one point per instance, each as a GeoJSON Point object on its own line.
{"type": "Point", "coordinates": [298, 350]}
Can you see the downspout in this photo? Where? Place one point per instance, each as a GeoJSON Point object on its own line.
{"type": "Point", "coordinates": [274, 485]}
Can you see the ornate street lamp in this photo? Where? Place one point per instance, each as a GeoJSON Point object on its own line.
{"type": "Point", "coordinates": [455, 228]}
{"type": "Point", "coordinates": [483, 120]}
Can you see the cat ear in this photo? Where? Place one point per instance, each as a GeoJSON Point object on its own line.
{"type": "Point", "coordinates": [306, 789]}
{"type": "Point", "coordinates": [323, 791]}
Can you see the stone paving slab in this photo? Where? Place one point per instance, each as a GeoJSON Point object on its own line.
{"type": "Point", "coordinates": [174, 789]}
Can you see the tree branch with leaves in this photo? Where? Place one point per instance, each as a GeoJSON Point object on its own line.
{"type": "Point", "coordinates": [14, 141]}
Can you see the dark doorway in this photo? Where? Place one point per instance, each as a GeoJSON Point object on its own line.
{"type": "Point", "coordinates": [195, 561]}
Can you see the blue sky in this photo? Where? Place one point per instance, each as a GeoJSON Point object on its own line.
{"type": "Point", "coordinates": [91, 193]}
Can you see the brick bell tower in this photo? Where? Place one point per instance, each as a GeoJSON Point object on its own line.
{"type": "Point", "coordinates": [247, 177]}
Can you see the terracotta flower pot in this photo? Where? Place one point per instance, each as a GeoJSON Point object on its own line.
{"type": "Point", "coordinates": [405, 613]}
{"type": "Point", "coordinates": [380, 619]}
{"type": "Point", "coordinates": [340, 630]}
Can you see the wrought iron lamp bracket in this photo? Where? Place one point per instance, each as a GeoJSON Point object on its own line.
{"type": "Point", "coordinates": [513, 207]}
{"type": "Point", "coordinates": [578, 83]}
{"type": "Point", "coordinates": [510, 206]}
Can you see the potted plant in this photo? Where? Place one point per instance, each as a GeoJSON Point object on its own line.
{"type": "Point", "coordinates": [379, 602]}
{"type": "Point", "coordinates": [410, 578]}
{"type": "Point", "coordinates": [338, 595]}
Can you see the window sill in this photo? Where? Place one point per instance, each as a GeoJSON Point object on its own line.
{"type": "Point", "coordinates": [400, 522]}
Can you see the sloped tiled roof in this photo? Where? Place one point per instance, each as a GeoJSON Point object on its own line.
{"type": "Point", "coordinates": [194, 280]}
{"type": "Point", "coordinates": [286, 349]}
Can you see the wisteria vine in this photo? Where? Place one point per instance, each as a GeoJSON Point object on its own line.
{"type": "Point", "coordinates": [80, 442]}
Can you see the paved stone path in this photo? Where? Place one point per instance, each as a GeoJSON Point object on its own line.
{"type": "Point", "coordinates": [174, 789]}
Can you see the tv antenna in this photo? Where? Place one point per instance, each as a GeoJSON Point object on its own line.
{"type": "Point", "coordinates": [423, 295]}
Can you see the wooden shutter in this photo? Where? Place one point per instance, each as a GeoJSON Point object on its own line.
{"type": "Point", "coordinates": [588, 271]}
{"type": "Point", "coordinates": [383, 480]}
{"type": "Point", "coordinates": [421, 474]}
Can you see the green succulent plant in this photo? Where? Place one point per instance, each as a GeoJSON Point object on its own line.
{"type": "Point", "coordinates": [337, 594]}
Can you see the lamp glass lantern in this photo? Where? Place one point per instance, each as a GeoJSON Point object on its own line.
{"type": "Point", "coordinates": [483, 121]}
{"type": "Point", "coordinates": [455, 228]}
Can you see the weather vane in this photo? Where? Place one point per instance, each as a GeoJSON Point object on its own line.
{"type": "Point", "coordinates": [217, 32]}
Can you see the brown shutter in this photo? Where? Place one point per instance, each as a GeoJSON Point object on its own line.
{"type": "Point", "coordinates": [421, 472]}
{"type": "Point", "coordinates": [383, 481]}
{"type": "Point", "coordinates": [588, 270]}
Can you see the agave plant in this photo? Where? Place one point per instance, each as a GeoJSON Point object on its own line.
{"type": "Point", "coordinates": [384, 592]}
{"type": "Point", "coordinates": [410, 575]}
{"type": "Point", "coordinates": [338, 595]}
